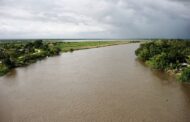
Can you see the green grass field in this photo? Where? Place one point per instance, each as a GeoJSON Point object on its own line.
{"type": "Point", "coordinates": [71, 46]}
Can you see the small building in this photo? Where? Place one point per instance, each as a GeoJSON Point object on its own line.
{"type": "Point", "coordinates": [184, 64]}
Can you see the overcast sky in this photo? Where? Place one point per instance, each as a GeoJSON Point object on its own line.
{"type": "Point", "coordinates": [95, 19]}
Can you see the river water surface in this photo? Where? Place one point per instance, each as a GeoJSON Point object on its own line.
{"type": "Point", "coordinates": [100, 85]}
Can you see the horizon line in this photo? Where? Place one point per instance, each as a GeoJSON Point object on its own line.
{"type": "Point", "coordinates": [1, 39]}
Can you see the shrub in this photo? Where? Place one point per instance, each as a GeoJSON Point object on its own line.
{"type": "Point", "coordinates": [3, 69]}
{"type": "Point", "coordinates": [185, 75]}
{"type": "Point", "coordinates": [143, 54]}
{"type": "Point", "coordinates": [71, 50]}
{"type": "Point", "coordinates": [159, 61]}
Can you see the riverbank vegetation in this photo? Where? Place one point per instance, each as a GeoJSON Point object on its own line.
{"type": "Point", "coordinates": [172, 56]}
{"type": "Point", "coordinates": [21, 53]}
{"type": "Point", "coordinates": [71, 46]}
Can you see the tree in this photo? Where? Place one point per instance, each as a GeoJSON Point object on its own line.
{"type": "Point", "coordinates": [2, 54]}
{"type": "Point", "coordinates": [38, 43]}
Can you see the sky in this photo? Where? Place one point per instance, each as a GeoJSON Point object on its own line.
{"type": "Point", "coordinates": [109, 19]}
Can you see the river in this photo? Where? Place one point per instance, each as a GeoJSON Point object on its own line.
{"type": "Point", "coordinates": [96, 85]}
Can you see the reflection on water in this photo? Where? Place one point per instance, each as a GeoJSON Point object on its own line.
{"type": "Point", "coordinates": [103, 84]}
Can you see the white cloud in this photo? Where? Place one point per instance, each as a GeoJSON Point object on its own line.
{"type": "Point", "coordinates": [94, 19]}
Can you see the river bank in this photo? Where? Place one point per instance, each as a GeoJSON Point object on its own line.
{"type": "Point", "coordinates": [72, 46]}
{"type": "Point", "coordinates": [170, 56]}
{"type": "Point", "coordinates": [19, 54]}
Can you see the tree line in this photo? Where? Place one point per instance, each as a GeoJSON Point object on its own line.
{"type": "Point", "coordinates": [23, 53]}
{"type": "Point", "coordinates": [167, 55]}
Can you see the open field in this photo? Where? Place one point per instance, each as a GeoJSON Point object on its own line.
{"type": "Point", "coordinates": [71, 46]}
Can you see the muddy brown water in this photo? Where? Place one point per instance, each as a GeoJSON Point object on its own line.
{"type": "Point", "coordinates": [100, 85]}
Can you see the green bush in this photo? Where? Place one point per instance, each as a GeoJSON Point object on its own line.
{"type": "Point", "coordinates": [159, 61]}
{"type": "Point", "coordinates": [3, 69]}
{"type": "Point", "coordinates": [185, 75]}
{"type": "Point", "coordinates": [143, 54]}
{"type": "Point", "coordinates": [164, 54]}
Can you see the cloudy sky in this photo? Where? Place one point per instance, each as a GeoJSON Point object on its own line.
{"type": "Point", "coordinates": [95, 19]}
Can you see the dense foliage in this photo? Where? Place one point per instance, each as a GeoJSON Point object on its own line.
{"type": "Point", "coordinates": [23, 53]}
{"type": "Point", "coordinates": [167, 55]}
